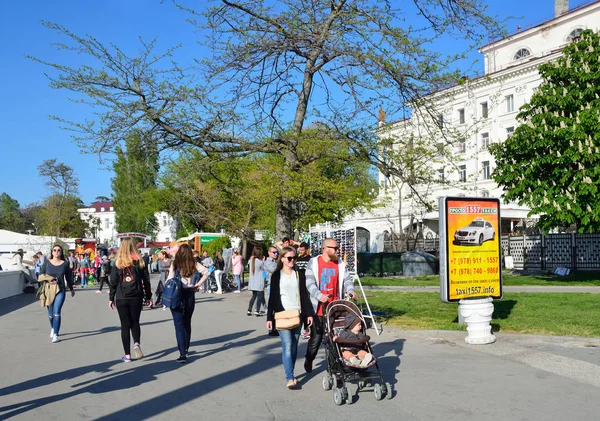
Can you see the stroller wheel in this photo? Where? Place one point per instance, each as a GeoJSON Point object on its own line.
{"type": "Point", "coordinates": [338, 398]}
{"type": "Point", "coordinates": [327, 382]}
{"type": "Point", "coordinates": [361, 384]}
{"type": "Point", "coordinates": [378, 392]}
{"type": "Point", "coordinates": [389, 391]}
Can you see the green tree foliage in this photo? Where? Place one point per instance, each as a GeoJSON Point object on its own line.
{"type": "Point", "coordinates": [238, 193]}
{"type": "Point", "coordinates": [552, 162]}
{"type": "Point", "coordinates": [136, 170]}
{"type": "Point", "coordinates": [334, 62]}
{"type": "Point", "coordinates": [59, 214]}
{"type": "Point", "coordinates": [11, 218]}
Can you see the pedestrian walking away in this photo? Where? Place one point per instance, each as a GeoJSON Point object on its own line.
{"type": "Point", "coordinates": [289, 295]}
{"type": "Point", "coordinates": [61, 278]}
{"type": "Point", "coordinates": [219, 266]}
{"type": "Point", "coordinates": [237, 268]}
{"type": "Point", "coordinates": [256, 283]}
{"type": "Point", "coordinates": [129, 285]}
{"type": "Point", "coordinates": [188, 270]}
{"type": "Point", "coordinates": [326, 279]}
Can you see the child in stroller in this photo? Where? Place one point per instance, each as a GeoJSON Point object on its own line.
{"type": "Point", "coordinates": [353, 342]}
{"type": "Point", "coordinates": [346, 344]}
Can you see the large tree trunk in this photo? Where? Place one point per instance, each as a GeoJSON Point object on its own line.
{"type": "Point", "coordinates": [283, 220]}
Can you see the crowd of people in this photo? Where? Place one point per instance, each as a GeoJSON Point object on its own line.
{"type": "Point", "coordinates": [287, 285]}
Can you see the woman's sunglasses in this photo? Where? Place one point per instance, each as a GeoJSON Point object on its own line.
{"type": "Point", "coordinates": [290, 258]}
{"type": "Point", "coordinates": [57, 250]}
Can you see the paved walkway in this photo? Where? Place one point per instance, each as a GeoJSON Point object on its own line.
{"type": "Point", "coordinates": [235, 372]}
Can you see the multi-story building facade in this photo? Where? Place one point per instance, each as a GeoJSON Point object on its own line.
{"type": "Point", "coordinates": [101, 219]}
{"type": "Point", "coordinates": [478, 112]}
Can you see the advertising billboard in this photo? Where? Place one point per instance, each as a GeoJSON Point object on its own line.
{"type": "Point", "coordinates": [470, 264]}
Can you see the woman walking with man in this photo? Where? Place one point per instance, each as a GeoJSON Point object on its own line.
{"type": "Point", "coordinates": [289, 294]}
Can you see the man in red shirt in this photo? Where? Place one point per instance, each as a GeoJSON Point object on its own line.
{"type": "Point", "coordinates": [326, 279]}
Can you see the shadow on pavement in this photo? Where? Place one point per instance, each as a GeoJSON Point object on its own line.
{"type": "Point", "coordinates": [141, 373]}
{"type": "Point", "coordinates": [502, 310]}
{"type": "Point", "coordinates": [68, 336]}
{"type": "Point", "coordinates": [10, 304]}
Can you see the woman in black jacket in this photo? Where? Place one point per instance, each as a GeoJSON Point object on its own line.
{"type": "Point", "coordinates": [288, 292]}
{"type": "Point", "coordinates": [129, 284]}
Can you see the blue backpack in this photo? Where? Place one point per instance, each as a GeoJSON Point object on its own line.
{"type": "Point", "coordinates": [171, 296]}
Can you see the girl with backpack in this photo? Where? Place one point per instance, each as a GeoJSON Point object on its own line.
{"type": "Point", "coordinates": [186, 268]}
{"type": "Point", "coordinates": [129, 284]}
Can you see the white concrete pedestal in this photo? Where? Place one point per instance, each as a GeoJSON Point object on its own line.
{"type": "Point", "coordinates": [477, 313]}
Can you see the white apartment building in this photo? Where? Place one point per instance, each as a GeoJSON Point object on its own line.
{"type": "Point", "coordinates": [483, 111]}
{"type": "Point", "coordinates": [101, 219]}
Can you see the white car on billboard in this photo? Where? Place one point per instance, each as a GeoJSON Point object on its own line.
{"type": "Point", "coordinates": [478, 231]}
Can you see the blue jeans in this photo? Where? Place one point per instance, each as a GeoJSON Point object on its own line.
{"type": "Point", "coordinates": [289, 345]}
{"type": "Point", "coordinates": [238, 279]}
{"type": "Point", "coordinates": [182, 318]}
{"type": "Point", "coordinates": [54, 311]}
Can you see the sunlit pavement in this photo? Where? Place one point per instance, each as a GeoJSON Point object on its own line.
{"type": "Point", "coordinates": [234, 371]}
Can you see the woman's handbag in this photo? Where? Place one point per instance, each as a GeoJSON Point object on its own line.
{"type": "Point", "coordinates": [288, 319]}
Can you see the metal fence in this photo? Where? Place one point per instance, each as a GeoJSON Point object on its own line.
{"type": "Point", "coordinates": [574, 251]}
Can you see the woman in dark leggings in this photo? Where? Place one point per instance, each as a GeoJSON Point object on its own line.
{"type": "Point", "coordinates": [129, 284]}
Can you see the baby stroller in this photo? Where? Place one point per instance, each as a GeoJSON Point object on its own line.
{"type": "Point", "coordinates": [340, 370]}
{"type": "Point", "coordinates": [226, 283]}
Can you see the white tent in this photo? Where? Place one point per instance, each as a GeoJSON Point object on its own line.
{"type": "Point", "coordinates": [11, 241]}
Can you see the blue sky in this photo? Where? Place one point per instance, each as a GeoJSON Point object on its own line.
{"type": "Point", "coordinates": [28, 135]}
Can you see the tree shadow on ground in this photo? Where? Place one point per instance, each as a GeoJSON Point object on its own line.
{"type": "Point", "coordinates": [141, 373]}
{"type": "Point", "coordinates": [10, 304]}
{"type": "Point", "coordinates": [108, 329]}
{"type": "Point", "coordinates": [502, 310]}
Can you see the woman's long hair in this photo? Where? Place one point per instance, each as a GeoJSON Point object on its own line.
{"type": "Point", "coordinates": [256, 254]}
{"type": "Point", "coordinates": [281, 253]}
{"type": "Point", "coordinates": [127, 254]}
{"type": "Point", "coordinates": [184, 261]}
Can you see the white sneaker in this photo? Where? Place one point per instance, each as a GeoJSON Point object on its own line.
{"type": "Point", "coordinates": [52, 333]}
{"type": "Point", "coordinates": [366, 360]}
{"type": "Point", "coordinates": [55, 339]}
{"type": "Point", "coordinates": [236, 292]}
{"type": "Point", "coordinates": [164, 308]}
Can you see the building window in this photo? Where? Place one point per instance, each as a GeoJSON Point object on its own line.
{"type": "Point", "coordinates": [167, 239]}
{"type": "Point", "coordinates": [462, 173]}
{"type": "Point", "coordinates": [440, 121]}
{"type": "Point", "coordinates": [106, 223]}
{"type": "Point", "coordinates": [485, 141]}
{"type": "Point", "coordinates": [484, 109]}
{"type": "Point", "coordinates": [164, 220]}
{"type": "Point", "coordinates": [485, 193]}
{"type": "Point", "coordinates": [462, 146]}
{"type": "Point", "coordinates": [575, 34]}
{"type": "Point", "coordinates": [510, 103]}
{"type": "Point", "coordinates": [522, 53]}
{"type": "Point", "coordinates": [461, 116]}
{"type": "Point", "coordinates": [101, 209]}
{"type": "Point", "coordinates": [441, 177]}
{"type": "Point", "coordinates": [112, 209]}
{"type": "Point", "coordinates": [486, 170]}
{"type": "Point", "coordinates": [509, 131]}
